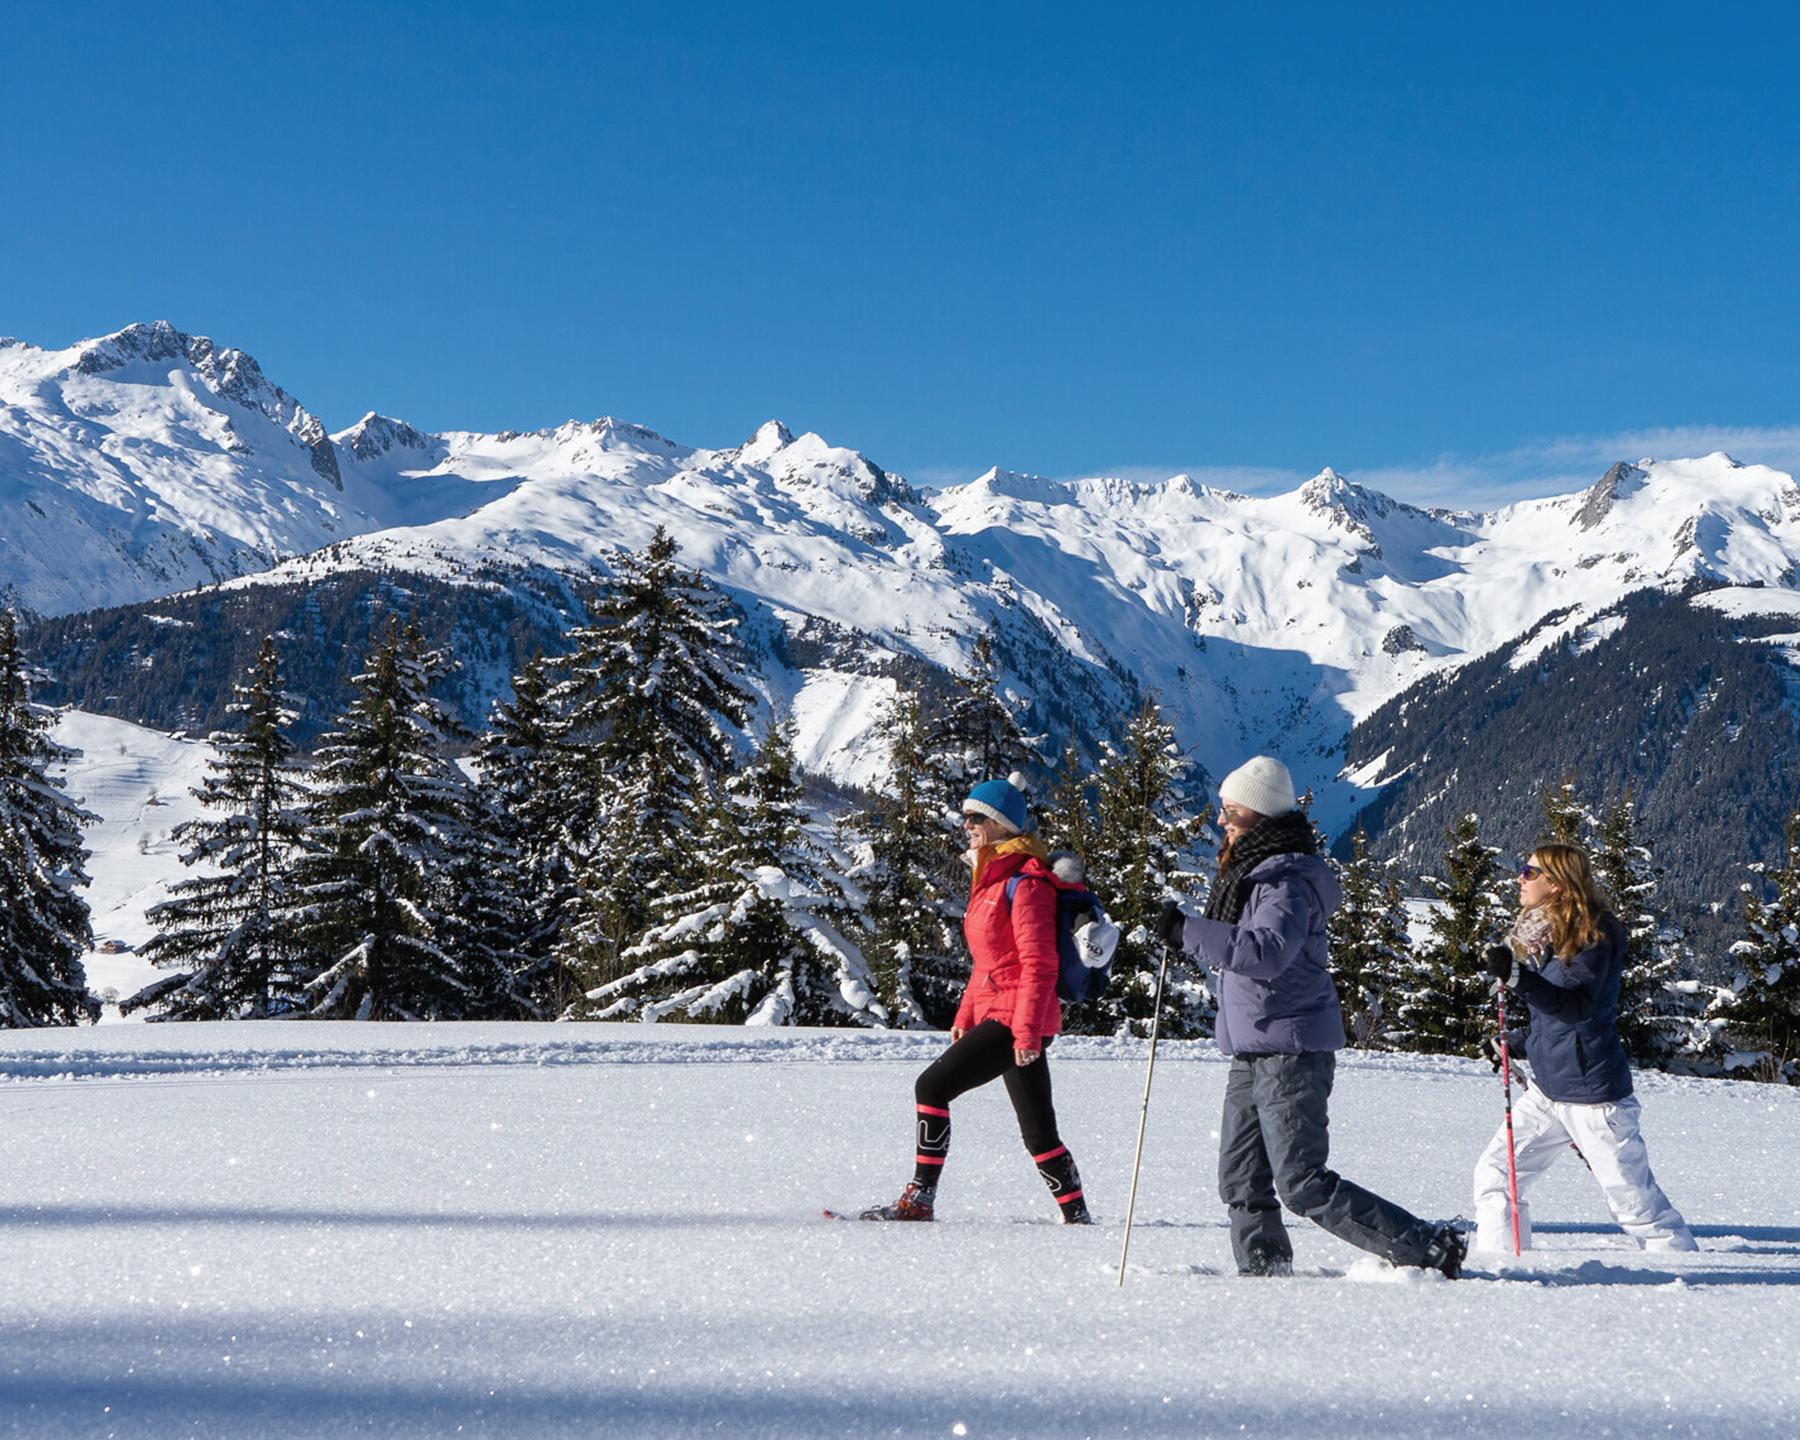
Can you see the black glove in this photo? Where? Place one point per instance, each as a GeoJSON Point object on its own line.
{"type": "Point", "coordinates": [1498, 961]}
{"type": "Point", "coordinates": [1171, 924]}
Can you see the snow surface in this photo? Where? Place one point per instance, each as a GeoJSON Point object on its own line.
{"type": "Point", "coordinates": [834, 718]}
{"type": "Point", "coordinates": [1739, 601]}
{"type": "Point", "coordinates": [331, 1229]}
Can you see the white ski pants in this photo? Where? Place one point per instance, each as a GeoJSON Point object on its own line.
{"type": "Point", "coordinates": [1608, 1138]}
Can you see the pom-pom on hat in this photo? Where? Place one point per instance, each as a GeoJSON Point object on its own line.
{"type": "Point", "coordinates": [1262, 784]}
{"type": "Point", "coordinates": [1002, 800]}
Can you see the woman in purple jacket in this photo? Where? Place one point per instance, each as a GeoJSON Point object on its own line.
{"type": "Point", "coordinates": [1279, 1020]}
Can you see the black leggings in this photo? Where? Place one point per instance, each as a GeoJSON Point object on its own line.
{"type": "Point", "coordinates": [984, 1054]}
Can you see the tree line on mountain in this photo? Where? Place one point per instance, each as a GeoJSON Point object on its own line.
{"type": "Point", "coordinates": [1675, 705]}
{"type": "Point", "coordinates": [618, 846]}
{"type": "Point", "coordinates": [170, 663]}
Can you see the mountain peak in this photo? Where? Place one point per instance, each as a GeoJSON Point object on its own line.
{"type": "Point", "coordinates": [158, 340]}
{"type": "Point", "coordinates": [230, 374]}
{"type": "Point", "coordinates": [1330, 493]}
{"type": "Point", "coordinates": [374, 435]}
{"type": "Point", "coordinates": [1622, 479]}
{"type": "Point", "coordinates": [770, 439]}
{"type": "Point", "coordinates": [613, 434]}
{"type": "Point", "coordinates": [1351, 507]}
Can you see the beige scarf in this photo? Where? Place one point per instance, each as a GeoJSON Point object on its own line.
{"type": "Point", "coordinates": [1530, 935]}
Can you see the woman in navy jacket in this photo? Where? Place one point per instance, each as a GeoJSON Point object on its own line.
{"type": "Point", "coordinates": [1566, 960]}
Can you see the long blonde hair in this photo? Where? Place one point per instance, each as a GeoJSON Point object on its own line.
{"type": "Point", "coordinates": [1575, 909]}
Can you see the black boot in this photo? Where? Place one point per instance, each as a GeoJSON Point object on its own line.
{"type": "Point", "coordinates": [1263, 1258]}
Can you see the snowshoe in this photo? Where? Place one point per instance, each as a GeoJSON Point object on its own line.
{"type": "Point", "coordinates": [1446, 1251]}
{"type": "Point", "coordinates": [914, 1204]}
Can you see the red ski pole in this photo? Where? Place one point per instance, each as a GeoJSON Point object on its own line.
{"type": "Point", "coordinates": [1512, 1164]}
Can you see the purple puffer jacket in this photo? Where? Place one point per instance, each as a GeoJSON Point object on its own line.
{"type": "Point", "coordinates": [1276, 996]}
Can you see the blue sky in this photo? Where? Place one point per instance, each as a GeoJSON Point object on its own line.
{"type": "Point", "coordinates": [1461, 253]}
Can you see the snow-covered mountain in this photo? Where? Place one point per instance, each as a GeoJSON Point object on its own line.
{"type": "Point", "coordinates": [150, 461]}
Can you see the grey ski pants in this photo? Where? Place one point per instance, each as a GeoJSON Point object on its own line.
{"type": "Point", "coordinates": [1273, 1142]}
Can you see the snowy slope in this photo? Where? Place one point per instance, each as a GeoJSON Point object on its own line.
{"type": "Point", "coordinates": [137, 782]}
{"type": "Point", "coordinates": [150, 460]}
{"type": "Point", "coordinates": [306, 1231]}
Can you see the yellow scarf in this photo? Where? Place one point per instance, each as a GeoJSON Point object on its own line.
{"type": "Point", "coordinates": [1013, 845]}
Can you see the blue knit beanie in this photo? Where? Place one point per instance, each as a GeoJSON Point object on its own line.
{"type": "Point", "coordinates": [1001, 800]}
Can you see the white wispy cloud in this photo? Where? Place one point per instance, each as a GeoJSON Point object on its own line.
{"type": "Point", "coordinates": [1556, 466]}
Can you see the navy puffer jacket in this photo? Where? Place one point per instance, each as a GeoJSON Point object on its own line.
{"type": "Point", "coordinates": [1574, 1047]}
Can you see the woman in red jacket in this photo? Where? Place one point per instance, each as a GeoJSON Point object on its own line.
{"type": "Point", "coordinates": [1009, 1012]}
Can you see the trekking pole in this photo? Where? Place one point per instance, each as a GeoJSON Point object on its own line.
{"type": "Point", "coordinates": [1137, 1160]}
{"type": "Point", "coordinates": [1512, 1163]}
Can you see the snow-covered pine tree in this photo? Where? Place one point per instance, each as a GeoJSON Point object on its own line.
{"type": "Point", "coordinates": [915, 886]}
{"type": "Point", "coordinates": [650, 700]}
{"type": "Point", "coordinates": [1150, 827]}
{"type": "Point", "coordinates": [44, 928]}
{"type": "Point", "coordinates": [1652, 1015]}
{"type": "Point", "coordinates": [1761, 1009]}
{"type": "Point", "coordinates": [761, 941]}
{"type": "Point", "coordinates": [1371, 949]}
{"type": "Point", "coordinates": [487, 905]}
{"type": "Point", "coordinates": [521, 763]}
{"type": "Point", "coordinates": [1566, 820]}
{"type": "Point", "coordinates": [1445, 1005]}
{"type": "Point", "coordinates": [979, 735]}
{"type": "Point", "coordinates": [228, 931]}
{"type": "Point", "coordinates": [388, 812]}
{"type": "Point", "coordinates": [1069, 821]}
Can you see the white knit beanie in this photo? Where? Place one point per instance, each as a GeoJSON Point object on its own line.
{"type": "Point", "coordinates": [1262, 784]}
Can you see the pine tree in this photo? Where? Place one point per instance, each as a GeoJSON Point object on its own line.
{"type": "Point", "coordinates": [760, 941]}
{"type": "Point", "coordinates": [1762, 1008]}
{"type": "Point", "coordinates": [979, 735]}
{"type": "Point", "coordinates": [522, 762]}
{"type": "Point", "coordinates": [650, 700]}
{"type": "Point", "coordinates": [1566, 820]}
{"type": "Point", "coordinates": [44, 928]}
{"type": "Point", "coordinates": [1651, 1013]}
{"type": "Point", "coordinates": [1070, 821]}
{"type": "Point", "coordinates": [488, 908]}
{"type": "Point", "coordinates": [1144, 854]}
{"type": "Point", "coordinates": [1446, 1003]}
{"type": "Point", "coordinates": [1371, 949]}
{"type": "Point", "coordinates": [228, 931]}
{"type": "Point", "coordinates": [916, 888]}
{"type": "Point", "coordinates": [387, 817]}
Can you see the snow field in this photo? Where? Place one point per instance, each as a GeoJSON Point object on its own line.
{"type": "Point", "coordinates": [316, 1230]}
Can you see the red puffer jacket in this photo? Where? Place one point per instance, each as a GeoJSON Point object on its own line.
{"type": "Point", "coordinates": [1013, 947]}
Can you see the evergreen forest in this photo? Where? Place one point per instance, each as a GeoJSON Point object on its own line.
{"type": "Point", "coordinates": [624, 833]}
